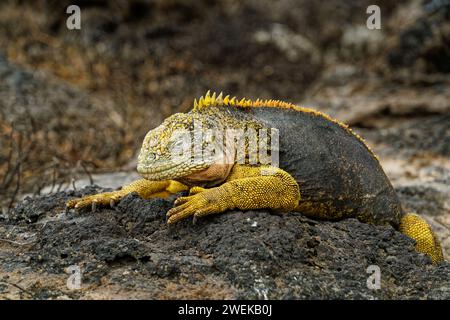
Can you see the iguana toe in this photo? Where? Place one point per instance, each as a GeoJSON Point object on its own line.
{"type": "Point", "coordinates": [188, 206]}
{"type": "Point", "coordinates": [93, 201]}
{"type": "Point", "coordinates": [180, 212]}
{"type": "Point", "coordinates": [195, 190]}
{"type": "Point", "coordinates": [205, 202]}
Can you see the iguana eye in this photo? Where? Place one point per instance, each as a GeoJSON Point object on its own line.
{"type": "Point", "coordinates": [151, 156]}
{"type": "Point", "coordinates": [179, 140]}
{"type": "Point", "coordinates": [174, 144]}
{"type": "Point", "coordinates": [178, 144]}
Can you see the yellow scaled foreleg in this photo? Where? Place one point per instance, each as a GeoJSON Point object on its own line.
{"type": "Point", "coordinates": [145, 188]}
{"type": "Point", "coordinates": [246, 188]}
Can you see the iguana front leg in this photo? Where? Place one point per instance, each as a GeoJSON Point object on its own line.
{"type": "Point", "coordinates": [246, 188]}
{"type": "Point", "coordinates": [145, 188]}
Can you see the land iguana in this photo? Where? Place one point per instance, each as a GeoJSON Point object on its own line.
{"type": "Point", "coordinates": [324, 169]}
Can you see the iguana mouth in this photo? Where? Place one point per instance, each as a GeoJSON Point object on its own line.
{"type": "Point", "coordinates": [168, 171]}
{"type": "Point", "coordinates": [155, 169]}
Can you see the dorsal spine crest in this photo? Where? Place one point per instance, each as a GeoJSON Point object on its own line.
{"type": "Point", "coordinates": [215, 100]}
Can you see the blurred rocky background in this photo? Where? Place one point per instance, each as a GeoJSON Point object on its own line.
{"type": "Point", "coordinates": [75, 104]}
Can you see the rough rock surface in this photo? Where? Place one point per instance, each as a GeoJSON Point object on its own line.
{"type": "Point", "coordinates": [130, 252]}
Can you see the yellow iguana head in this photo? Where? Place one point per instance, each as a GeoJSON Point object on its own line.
{"type": "Point", "coordinates": [191, 145]}
{"type": "Point", "coordinates": [177, 147]}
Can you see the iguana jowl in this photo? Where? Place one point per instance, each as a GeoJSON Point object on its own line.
{"type": "Point", "coordinates": [325, 170]}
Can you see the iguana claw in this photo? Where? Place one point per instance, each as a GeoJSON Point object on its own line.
{"type": "Point", "coordinates": [203, 202]}
{"type": "Point", "coordinates": [102, 199]}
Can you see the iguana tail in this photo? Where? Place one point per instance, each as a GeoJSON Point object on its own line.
{"type": "Point", "coordinates": [418, 229]}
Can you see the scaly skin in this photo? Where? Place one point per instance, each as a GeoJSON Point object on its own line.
{"type": "Point", "coordinates": [326, 171]}
{"type": "Point", "coordinates": [426, 241]}
{"type": "Point", "coordinates": [145, 188]}
{"type": "Point", "coordinates": [278, 191]}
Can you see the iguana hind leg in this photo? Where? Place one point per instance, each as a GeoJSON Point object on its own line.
{"type": "Point", "coordinates": [418, 229]}
{"type": "Point", "coordinates": [145, 188]}
{"type": "Point", "coordinates": [246, 188]}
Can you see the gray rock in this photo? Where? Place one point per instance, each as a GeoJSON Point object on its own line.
{"type": "Point", "coordinates": [280, 257]}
